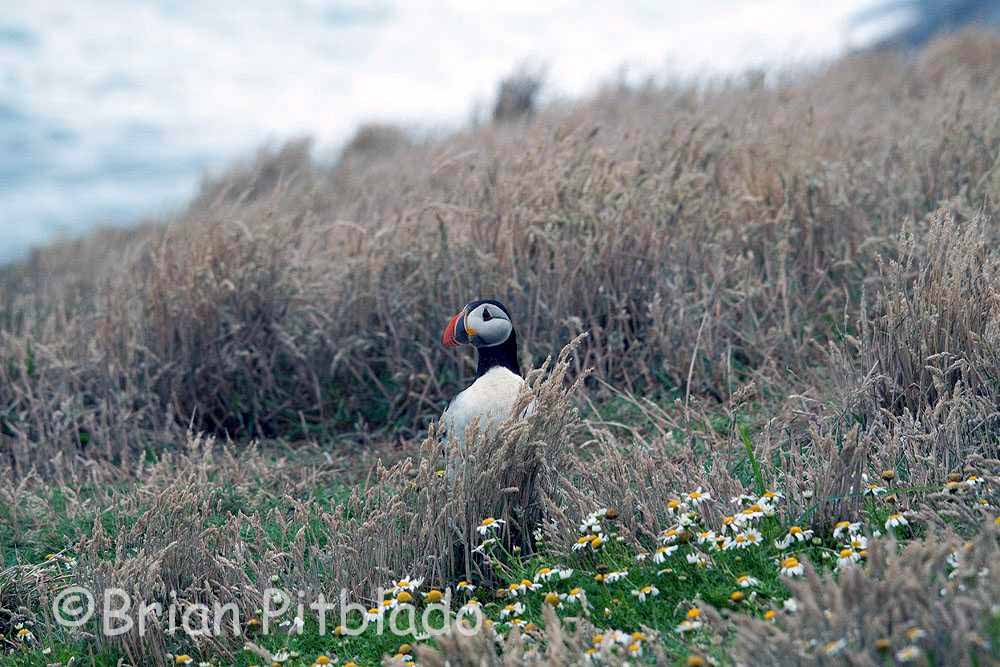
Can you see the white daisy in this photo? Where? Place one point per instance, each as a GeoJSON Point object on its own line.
{"type": "Point", "coordinates": [794, 534]}
{"type": "Point", "coordinates": [847, 557]}
{"type": "Point", "coordinates": [512, 609]}
{"type": "Point", "coordinates": [791, 567]}
{"type": "Point", "coordinates": [909, 654]}
{"type": "Point", "coordinates": [676, 506]}
{"type": "Point", "coordinates": [858, 542]}
{"type": "Point", "coordinates": [751, 513]}
{"type": "Point", "coordinates": [845, 527]}
{"type": "Point", "coordinates": [737, 541]}
{"type": "Point", "coordinates": [661, 553]}
{"type": "Point", "coordinates": [406, 584]}
{"type": "Point", "coordinates": [771, 497]}
{"type": "Point", "coordinates": [612, 577]}
{"type": "Point", "coordinates": [698, 496]}
{"type": "Point", "coordinates": [692, 621]}
{"type": "Point", "coordinates": [488, 524]}
{"type": "Point", "coordinates": [670, 535]}
{"type": "Point", "coordinates": [646, 591]}
{"type": "Point", "coordinates": [730, 523]}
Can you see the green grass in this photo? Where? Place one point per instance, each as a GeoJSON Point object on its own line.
{"type": "Point", "coordinates": [613, 606]}
{"type": "Point", "coordinates": [42, 526]}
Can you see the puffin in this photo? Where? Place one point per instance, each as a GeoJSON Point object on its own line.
{"type": "Point", "coordinates": [485, 325]}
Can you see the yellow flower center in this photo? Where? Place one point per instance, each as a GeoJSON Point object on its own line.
{"type": "Point", "coordinates": [551, 598]}
{"type": "Point", "coordinates": [736, 596]}
{"type": "Point", "coordinates": [693, 613]}
{"type": "Point", "coordinates": [770, 614]}
{"type": "Point", "coordinates": [790, 562]}
{"type": "Point", "coordinates": [404, 596]}
{"type": "Point", "coordinates": [794, 530]}
{"type": "Point", "coordinates": [322, 660]}
{"type": "Point", "coordinates": [434, 596]}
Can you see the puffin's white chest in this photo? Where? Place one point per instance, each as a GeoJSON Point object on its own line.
{"type": "Point", "coordinates": [491, 398]}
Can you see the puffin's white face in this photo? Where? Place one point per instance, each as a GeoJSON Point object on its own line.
{"type": "Point", "coordinates": [480, 324]}
{"type": "Point", "coordinates": [487, 325]}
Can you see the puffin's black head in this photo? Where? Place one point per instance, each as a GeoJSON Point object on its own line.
{"type": "Point", "coordinates": [482, 323]}
{"type": "Point", "coordinates": [485, 324]}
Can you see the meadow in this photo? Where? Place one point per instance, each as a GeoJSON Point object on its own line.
{"type": "Point", "coordinates": [763, 321]}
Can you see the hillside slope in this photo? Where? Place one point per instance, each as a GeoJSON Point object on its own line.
{"type": "Point", "coordinates": [704, 237]}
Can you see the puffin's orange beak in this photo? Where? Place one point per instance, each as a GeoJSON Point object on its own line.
{"type": "Point", "coordinates": [448, 337]}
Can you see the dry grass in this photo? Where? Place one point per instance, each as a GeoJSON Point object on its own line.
{"type": "Point", "coordinates": [913, 599]}
{"type": "Point", "coordinates": [713, 235]}
{"type": "Point", "coordinates": [809, 268]}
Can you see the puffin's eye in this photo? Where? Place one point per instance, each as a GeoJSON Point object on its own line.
{"type": "Point", "coordinates": [486, 314]}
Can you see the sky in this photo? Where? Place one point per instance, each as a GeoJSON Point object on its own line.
{"type": "Point", "coordinates": [114, 109]}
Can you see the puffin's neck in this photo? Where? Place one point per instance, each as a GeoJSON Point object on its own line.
{"type": "Point", "coordinates": [503, 355]}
